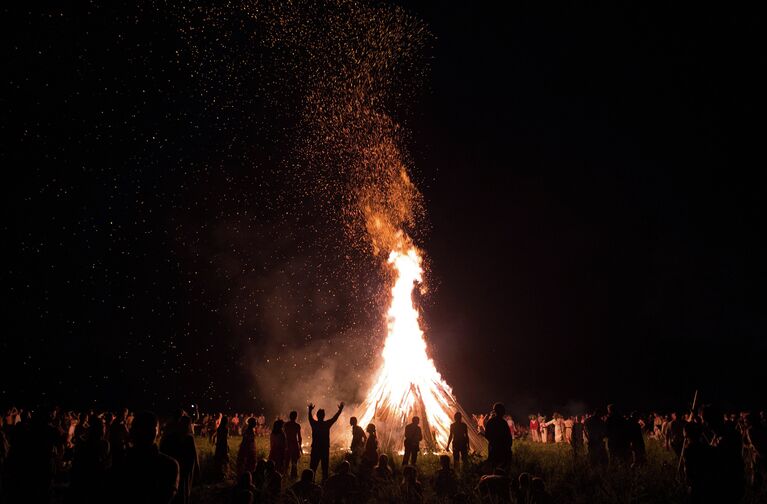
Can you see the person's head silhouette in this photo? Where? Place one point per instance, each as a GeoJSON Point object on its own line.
{"type": "Point", "coordinates": [457, 416]}
{"type": "Point", "coordinates": [320, 414]}
{"type": "Point", "coordinates": [307, 476]}
{"type": "Point", "coordinates": [345, 467]}
{"type": "Point", "coordinates": [353, 421]}
{"type": "Point", "coordinates": [371, 428]}
{"type": "Point", "coordinates": [293, 415]}
{"type": "Point", "coordinates": [538, 486]}
{"type": "Point", "coordinates": [499, 409]}
{"type": "Point", "coordinates": [692, 432]}
{"type": "Point", "coordinates": [96, 429]}
{"type": "Point", "coordinates": [177, 414]}
{"type": "Point", "coordinates": [409, 473]}
{"type": "Point", "coordinates": [185, 425]}
{"type": "Point", "coordinates": [416, 420]}
{"type": "Point", "coordinates": [246, 479]}
{"type": "Point", "coordinates": [144, 429]}
{"type": "Point", "coordinates": [383, 460]}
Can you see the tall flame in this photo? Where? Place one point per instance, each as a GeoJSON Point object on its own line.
{"type": "Point", "coordinates": [408, 383]}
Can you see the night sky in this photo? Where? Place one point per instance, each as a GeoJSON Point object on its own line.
{"type": "Point", "coordinates": [593, 182]}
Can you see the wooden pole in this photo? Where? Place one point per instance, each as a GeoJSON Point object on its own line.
{"type": "Point", "coordinates": [684, 446]}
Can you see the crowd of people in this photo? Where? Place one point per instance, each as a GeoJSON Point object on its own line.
{"type": "Point", "coordinates": [365, 468]}
{"type": "Point", "coordinates": [98, 457]}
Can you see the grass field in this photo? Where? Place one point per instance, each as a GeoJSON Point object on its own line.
{"type": "Point", "coordinates": [568, 479]}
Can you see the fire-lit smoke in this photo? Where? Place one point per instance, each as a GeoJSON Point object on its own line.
{"type": "Point", "coordinates": [343, 75]}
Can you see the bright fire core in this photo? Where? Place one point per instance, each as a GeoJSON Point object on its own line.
{"type": "Point", "coordinates": [408, 384]}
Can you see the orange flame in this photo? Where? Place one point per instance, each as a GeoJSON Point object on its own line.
{"type": "Point", "coordinates": [408, 382]}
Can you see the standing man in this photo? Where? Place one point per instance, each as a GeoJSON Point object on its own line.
{"type": "Point", "coordinates": [146, 475]}
{"type": "Point", "coordinates": [459, 436]}
{"type": "Point", "coordinates": [293, 446]}
{"type": "Point", "coordinates": [576, 435]}
{"type": "Point", "coordinates": [595, 432]}
{"type": "Point", "coordinates": [675, 433]}
{"type": "Point", "coordinates": [617, 435]}
{"type": "Point", "coordinates": [413, 437]}
{"type": "Point", "coordinates": [321, 439]}
{"type": "Point", "coordinates": [358, 440]}
{"type": "Point", "coordinates": [499, 439]}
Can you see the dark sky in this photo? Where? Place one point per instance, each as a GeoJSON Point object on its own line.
{"type": "Point", "coordinates": [593, 178]}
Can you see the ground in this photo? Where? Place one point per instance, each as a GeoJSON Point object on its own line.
{"type": "Point", "coordinates": [568, 479]}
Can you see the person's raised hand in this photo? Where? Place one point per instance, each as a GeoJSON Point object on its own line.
{"type": "Point", "coordinates": [340, 406]}
{"type": "Point", "coordinates": [311, 406]}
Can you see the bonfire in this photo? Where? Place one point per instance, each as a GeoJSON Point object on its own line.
{"type": "Point", "coordinates": [408, 383]}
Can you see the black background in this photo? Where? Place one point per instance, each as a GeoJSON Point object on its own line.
{"type": "Point", "coordinates": [593, 177]}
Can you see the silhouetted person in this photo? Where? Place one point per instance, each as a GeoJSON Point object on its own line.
{"type": "Point", "coordinates": [576, 436]}
{"type": "Point", "coordinates": [171, 426]}
{"type": "Point", "coordinates": [31, 458]}
{"type": "Point", "coordinates": [413, 437]}
{"type": "Point", "coordinates": [147, 476]}
{"type": "Point", "coordinates": [221, 454]}
{"type": "Point", "coordinates": [4, 447]}
{"type": "Point", "coordinates": [538, 493]}
{"type": "Point", "coordinates": [278, 446]}
{"type": "Point", "coordinates": [499, 439]}
{"type": "Point", "coordinates": [244, 497]}
{"type": "Point", "coordinates": [382, 471]}
{"type": "Point", "coordinates": [272, 481]}
{"type": "Point", "coordinates": [595, 431]}
{"type": "Point", "coordinates": [247, 456]}
{"type": "Point", "coordinates": [370, 456]}
{"type": "Point", "coordinates": [445, 480]}
{"type": "Point", "coordinates": [495, 487]}
{"type": "Point", "coordinates": [259, 476]}
{"type": "Point", "coordinates": [411, 489]}
{"type": "Point", "coordinates": [321, 439]}
{"type": "Point", "coordinates": [358, 440]}
{"type": "Point", "coordinates": [756, 437]}
{"type": "Point", "coordinates": [306, 491]}
{"type": "Point", "coordinates": [459, 436]}
{"type": "Point", "coordinates": [342, 486]}
{"type": "Point", "coordinates": [617, 436]}
{"type": "Point", "coordinates": [523, 490]}
{"type": "Point", "coordinates": [179, 444]}
{"type": "Point", "coordinates": [699, 467]}
{"type": "Point", "coordinates": [81, 429]}
{"type": "Point", "coordinates": [675, 434]}
{"type": "Point", "coordinates": [90, 464]}
{"type": "Point", "coordinates": [293, 442]}
{"type": "Point", "coordinates": [727, 446]}
{"type": "Point", "coordinates": [119, 438]}
{"type": "Point", "coordinates": [636, 440]}
{"type": "Point", "coordinates": [244, 485]}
